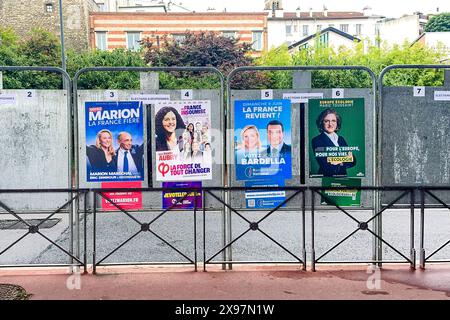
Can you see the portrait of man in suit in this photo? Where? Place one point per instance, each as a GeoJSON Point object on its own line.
{"type": "Point", "coordinates": [130, 157]}
{"type": "Point", "coordinates": [275, 136]}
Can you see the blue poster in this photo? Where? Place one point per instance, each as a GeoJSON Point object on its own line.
{"type": "Point", "coordinates": [264, 199]}
{"type": "Point", "coordinates": [114, 141]}
{"type": "Point", "coordinates": [262, 140]}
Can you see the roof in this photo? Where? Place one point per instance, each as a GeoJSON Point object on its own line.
{"type": "Point", "coordinates": [329, 29]}
{"type": "Point", "coordinates": [321, 15]}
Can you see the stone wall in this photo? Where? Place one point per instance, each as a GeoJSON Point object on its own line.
{"type": "Point", "coordinates": [24, 15]}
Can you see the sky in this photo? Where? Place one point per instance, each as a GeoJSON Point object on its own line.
{"type": "Point", "coordinates": [388, 8]}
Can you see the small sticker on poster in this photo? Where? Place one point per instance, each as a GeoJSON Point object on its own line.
{"type": "Point", "coordinates": [182, 199]}
{"type": "Point", "coordinates": [264, 199]}
{"type": "Point", "coordinates": [342, 197]}
{"type": "Point", "coordinates": [126, 200]}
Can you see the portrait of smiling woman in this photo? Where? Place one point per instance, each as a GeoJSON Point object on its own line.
{"type": "Point", "coordinates": [101, 156]}
{"type": "Point", "coordinates": [329, 123]}
{"type": "Point", "coordinates": [169, 127]}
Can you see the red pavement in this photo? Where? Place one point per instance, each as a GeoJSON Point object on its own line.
{"type": "Point", "coordinates": [241, 283]}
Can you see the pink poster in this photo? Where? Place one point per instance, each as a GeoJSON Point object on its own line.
{"type": "Point", "coordinates": [125, 200]}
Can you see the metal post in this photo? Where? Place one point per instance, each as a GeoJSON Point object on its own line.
{"type": "Point", "coordinates": [303, 231]}
{"type": "Point", "coordinates": [422, 228]}
{"type": "Point", "coordinates": [94, 240]}
{"type": "Point", "coordinates": [195, 230]}
{"type": "Point", "coordinates": [204, 231]}
{"type": "Point", "coordinates": [412, 250]}
{"type": "Point", "coordinates": [313, 253]}
{"type": "Point", "coordinates": [85, 232]}
{"type": "Point", "coordinates": [61, 22]}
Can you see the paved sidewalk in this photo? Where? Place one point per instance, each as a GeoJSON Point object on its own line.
{"type": "Point", "coordinates": [242, 283]}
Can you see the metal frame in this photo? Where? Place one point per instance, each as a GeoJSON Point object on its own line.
{"type": "Point", "coordinates": [427, 191]}
{"type": "Point", "coordinates": [144, 227]}
{"type": "Point", "coordinates": [364, 225]}
{"type": "Point", "coordinates": [254, 226]}
{"type": "Point", "coordinates": [34, 229]}
{"type": "Point", "coordinates": [375, 181]}
{"type": "Point", "coordinates": [380, 122]}
{"type": "Point", "coordinates": [67, 85]}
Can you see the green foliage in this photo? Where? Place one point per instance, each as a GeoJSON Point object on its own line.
{"type": "Point", "coordinates": [373, 57]}
{"type": "Point", "coordinates": [439, 23]}
{"type": "Point", "coordinates": [105, 80]}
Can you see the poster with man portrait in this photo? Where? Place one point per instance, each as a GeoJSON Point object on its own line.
{"type": "Point", "coordinates": [183, 140]}
{"type": "Point", "coordinates": [262, 140]}
{"type": "Point", "coordinates": [114, 141]}
{"type": "Point", "coordinates": [336, 138]}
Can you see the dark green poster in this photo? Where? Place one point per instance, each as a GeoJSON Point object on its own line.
{"type": "Point", "coordinates": [342, 197]}
{"type": "Point", "coordinates": [336, 138]}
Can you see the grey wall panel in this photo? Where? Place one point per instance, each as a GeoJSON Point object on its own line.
{"type": "Point", "coordinates": [35, 148]}
{"type": "Point", "coordinates": [415, 139]}
{"type": "Point", "coordinates": [366, 197]}
{"type": "Point", "coordinates": [153, 200]}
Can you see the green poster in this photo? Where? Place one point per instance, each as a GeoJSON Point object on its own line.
{"type": "Point", "coordinates": [336, 138]}
{"type": "Point", "coordinates": [342, 197]}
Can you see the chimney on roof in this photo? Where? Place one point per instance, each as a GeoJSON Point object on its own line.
{"type": "Point", "coordinates": [297, 12]}
{"type": "Point", "coordinates": [367, 11]}
{"type": "Point", "coordinates": [325, 11]}
{"type": "Point", "coordinates": [310, 12]}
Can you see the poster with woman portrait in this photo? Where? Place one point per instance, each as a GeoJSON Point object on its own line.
{"type": "Point", "coordinates": [336, 138]}
{"type": "Point", "coordinates": [183, 140]}
{"type": "Point", "coordinates": [262, 140]}
{"type": "Point", "coordinates": [114, 141]}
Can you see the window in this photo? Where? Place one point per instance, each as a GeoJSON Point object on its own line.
{"type": "Point", "coordinates": [305, 30]}
{"type": "Point", "coordinates": [257, 41]}
{"type": "Point", "coordinates": [288, 30]}
{"type": "Point", "coordinates": [358, 29]}
{"type": "Point", "coordinates": [133, 39]}
{"type": "Point", "coordinates": [319, 27]}
{"type": "Point", "coordinates": [323, 40]}
{"type": "Point", "coordinates": [295, 28]}
{"type": "Point", "coordinates": [100, 40]}
{"type": "Point", "coordinates": [229, 34]}
{"type": "Point", "coordinates": [178, 37]}
{"type": "Point", "coordinates": [49, 7]}
{"type": "Point", "coordinates": [344, 27]}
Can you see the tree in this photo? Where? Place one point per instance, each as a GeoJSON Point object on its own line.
{"type": "Point", "coordinates": [205, 49]}
{"type": "Point", "coordinates": [439, 23]}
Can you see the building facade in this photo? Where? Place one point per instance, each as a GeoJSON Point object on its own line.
{"type": "Point", "coordinates": [407, 28]}
{"type": "Point", "coordinates": [290, 27]}
{"type": "Point", "coordinates": [22, 16]}
{"type": "Point", "coordinates": [110, 30]}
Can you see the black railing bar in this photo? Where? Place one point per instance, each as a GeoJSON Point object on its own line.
{"type": "Point", "coordinates": [281, 246]}
{"type": "Point", "coordinates": [228, 206]}
{"type": "Point", "coordinates": [59, 209]}
{"type": "Point", "coordinates": [75, 190]}
{"type": "Point", "coordinates": [120, 246]}
{"type": "Point", "coordinates": [388, 206]}
{"type": "Point", "coordinates": [168, 209]}
{"type": "Point", "coordinates": [11, 212]}
{"type": "Point", "coordinates": [336, 245]}
{"type": "Point", "coordinates": [333, 203]}
{"type": "Point", "coordinates": [390, 246]}
{"type": "Point", "coordinates": [253, 262]}
{"type": "Point", "coordinates": [14, 243]}
{"type": "Point", "coordinates": [39, 265]}
{"type": "Point", "coordinates": [121, 209]}
{"type": "Point", "coordinates": [166, 242]}
{"type": "Point", "coordinates": [437, 199]}
{"type": "Point", "coordinates": [236, 239]}
{"type": "Point", "coordinates": [60, 248]}
{"type": "Point", "coordinates": [143, 264]}
{"type": "Point", "coordinates": [436, 251]}
{"type": "Point", "coordinates": [279, 206]}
